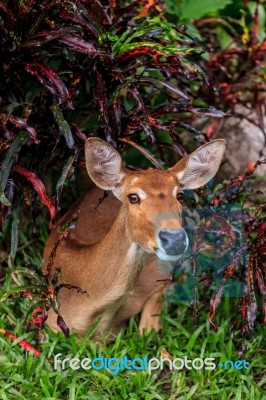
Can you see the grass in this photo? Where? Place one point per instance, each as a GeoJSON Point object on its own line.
{"type": "Point", "coordinates": [24, 376]}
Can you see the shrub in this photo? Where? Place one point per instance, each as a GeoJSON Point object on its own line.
{"type": "Point", "coordinates": [125, 73]}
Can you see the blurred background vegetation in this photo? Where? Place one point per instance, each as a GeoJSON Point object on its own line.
{"type": "Point", "coordinates": [155, 79]}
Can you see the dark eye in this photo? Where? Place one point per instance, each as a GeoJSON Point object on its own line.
{"type": "Point", "coordinates": [134, 198]}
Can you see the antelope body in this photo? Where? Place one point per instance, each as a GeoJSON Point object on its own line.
{"type": "Point", "coordinates": [112, 252]}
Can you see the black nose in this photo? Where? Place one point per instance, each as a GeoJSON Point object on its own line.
{"type": "Point", "coordinates": [174, 242]}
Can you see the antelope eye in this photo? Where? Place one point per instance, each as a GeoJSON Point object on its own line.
{"type": "Point", "coordinates": [134, 198]}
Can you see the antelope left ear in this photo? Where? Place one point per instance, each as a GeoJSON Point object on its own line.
{"type": "Point", "coordinates": [196, 169]}
{"type": "Point", "coordinates": [104, 164]}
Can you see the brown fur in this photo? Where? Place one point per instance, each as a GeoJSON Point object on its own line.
{"type": "Point", "coordinates": [110, 253]}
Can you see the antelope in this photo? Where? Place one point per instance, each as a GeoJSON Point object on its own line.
{"type": "Point", "coordinates": [113, 249]}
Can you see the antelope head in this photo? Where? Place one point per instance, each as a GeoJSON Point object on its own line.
{"type": "Point", "coordinates": [150, 197]}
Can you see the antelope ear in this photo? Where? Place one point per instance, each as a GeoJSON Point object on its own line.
{"type": "Point", "coordinates": [104, 164]}
{"type": "Point", "coordinates": [196, 169]}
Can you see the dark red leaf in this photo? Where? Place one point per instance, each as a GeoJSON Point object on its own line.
{"type": "Point", "coordinates": [148, 132]}
{"type": "Point", "coordinates": [207, 112]}
{"type": "Point", "coordinates": [10, 16]}
{"type": "Point", "coordinates": [44, 37]}
{"type": "Point", "coordinates": [80, 19]}
{"type": "Point", "coordinates": [39, 187]}
{"type": "Point", "coordinates": [118, 114]}
{"type": "Point", "coordinates": [62, 325]}
{"type": "Point", "coordinates": [66, 228]}
{"type": "Point", "coordinates": [77, 44]}
{"type": "Point", "coordinates": [158, 83]}
{"type": "Point", "coordinates": [251, 308]}
{"type": "Point", "coordinates": [103, 105]}
{"type": "Point", "coordinates": [39, 316]}
{"type": "Point", "coordinates": [78, 132]}
{"type": "Point", "coordinates": [262, 288]}
{"type": "Point", "coordinates": [47, 77]}
{"type": "Point", "coordinates": [217, 296]}
{"type": "Point", "coordinates": [21, 123]}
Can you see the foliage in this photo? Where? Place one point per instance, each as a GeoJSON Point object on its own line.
{"type": "Point", "coordinates": [236, 41]}
{"type": "Point", "coordinates": [125, 73]}
{"type": "Point", "coordinates": [237, 61]}
{"type": "Point", "coordinates": [235, 34]}
{"type": "Point", "coordinates": [81, 69]}
{"type": "Point", "coordinates": [226, 252]}
{"type": "Point", "coordinates": [190, 9]}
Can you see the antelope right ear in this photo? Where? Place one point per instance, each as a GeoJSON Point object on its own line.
{"type": "Point", "coordinates": [104, 164]}
{"type": "Point", "coordinates": [196, 169]}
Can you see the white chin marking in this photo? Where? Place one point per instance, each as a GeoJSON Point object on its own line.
{"type": "Point", "coordinates": [167, 257]}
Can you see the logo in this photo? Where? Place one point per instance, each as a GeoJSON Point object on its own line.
{"type": "Point", "coordinates": [115, 365]}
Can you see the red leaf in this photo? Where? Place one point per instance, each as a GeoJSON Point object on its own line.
{"type": "Point", "coordinates": [40, 189]}
{"type": "Point", "coordinates": [10, 16]}
{"type": "Point", "coordinates": [27, 294]}
{"type": "Point", "coordinates": [47, 77]}
{"type": "Point", "coordinates": [251, 166]}
{"type": "Point", "coordinates": [77, 44]}
{"type": "Point", "coordinates": [44, 37]}
{"type": "Point", "coordinates": [211, 128]}
{"type": "Point", "coordinates": [27, 346]}
{"type": "Point", "coordinates": [23, 343]}
{"type": "Point", "coordinates": [148, 6]}
{"type": "Point", "coordinates": [62, 325]}
{"type": "Point", "coordinates": [78, 132]}
{"type": "Point", "coordinates": [21, 123]}
{"type": "Point", "coordinates": [122, 57]}
{"type": "Point", "coordinates": [157, 83]}
{"type": "Point", "coordinates": [39, 316]}
{"type": "Point", "coordinates": [80, 19]}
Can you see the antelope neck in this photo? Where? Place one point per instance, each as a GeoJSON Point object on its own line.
{"type": "Point", "coordinates": [119, 259]}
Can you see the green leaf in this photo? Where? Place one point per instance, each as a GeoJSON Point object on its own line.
{"type": "Point", "coordinates": [66, 170]}
{"type": "Point", "coordinates": [261, 16]}
{"type": "Point", "coordinates": [192, 391]}
{"type": "Point", "coordinates": [166, 50]}
{"type": "Point", "coordinates": [156, 28]}
{"type": "Point", "coordinates": [173, 7]}
{"type": "Point", "coordinates": [3, 198]}
{"type": "Point", "coordinates": [14, 234]}
{"type": "Point", "coordinates": [196, 9]}
{"type": "Point", "coordinates": [8, 162]}
{"type": "Point", "coordinates": [193, 68]}
{"type": "Point", "coordinates": [64, 128]}
{"type": "Point", "coordinates": [19, 289]}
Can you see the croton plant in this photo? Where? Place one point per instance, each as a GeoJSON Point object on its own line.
{"type": "Point", "coordinates": [127, 72]}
